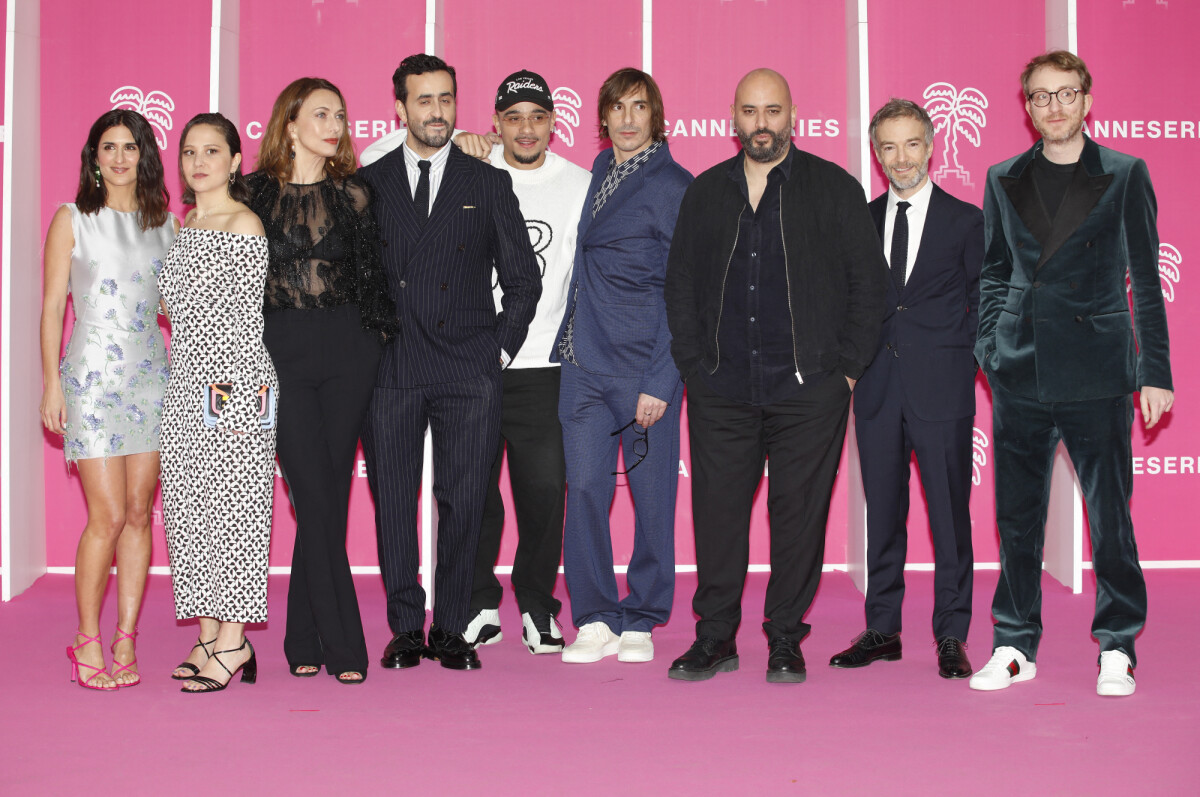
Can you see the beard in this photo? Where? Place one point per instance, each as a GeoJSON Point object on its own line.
{"type": "Point", "coordinates": [911, 182]}
{"type": "Point", "coordinates": [1071, 132]}
{"type": "Point", "coordinates": [521, 157]}
{"type": "Point", "coordinates": [430, 138]}
{"type": "Point", "coordinates": [769, 152]}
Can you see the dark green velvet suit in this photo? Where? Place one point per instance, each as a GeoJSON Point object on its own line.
{"type": "Point", "coordinates": [1057, 342]}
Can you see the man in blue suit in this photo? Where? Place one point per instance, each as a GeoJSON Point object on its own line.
{"type": "Point", "coordinates": [445, 221]}
{"type": "Point", "coordinates": [1064, 223]}
{"type": "Point", "coordinates": [918, 394]}
{"type": "Point", "coordinates": [619, 385]}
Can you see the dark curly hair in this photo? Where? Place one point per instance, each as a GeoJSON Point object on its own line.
{"type": "Point", "coordinates": [419, 64]}
{"type": "Point", "coordinates": [151, 193]}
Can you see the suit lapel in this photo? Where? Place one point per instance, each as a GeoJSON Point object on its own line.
{"type": "Point", "coordinates": [878, 210]}
{"type": "Point", "coordinates": [628, 187]}
{"type": "Point", "coordinates": [1018, 184]}
{"type": "Point", "coordinates": [455, 180]}
{"type": "Point", "coordinates": [396, 195]}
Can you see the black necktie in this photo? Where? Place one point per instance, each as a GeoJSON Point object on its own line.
{"type": "Point", "coordinates": [899, 257]}
{"type": "Point", "coordinates": [421, 198]}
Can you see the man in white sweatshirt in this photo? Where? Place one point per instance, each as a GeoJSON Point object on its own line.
{"type": "Point", "coordinates": [551, 191]}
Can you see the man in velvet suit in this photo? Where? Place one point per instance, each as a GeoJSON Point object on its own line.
{"type": "Point", "coordinates": [918, 394]}
{"type": "Point", "coordinates": [619, 384]}
{"type": "Point", "coordinates": [445, 221]}
{"type": "Point", "coordinates": [1064, 224]}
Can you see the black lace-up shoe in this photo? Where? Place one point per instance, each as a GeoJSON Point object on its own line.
{"type": "Point", "coordinates": [868, 646]}
{"type": "Point", "coordinates": [704, 659]}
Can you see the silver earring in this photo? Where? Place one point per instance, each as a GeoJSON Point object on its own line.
{"type": "Point", "coordinates": [232, 177]}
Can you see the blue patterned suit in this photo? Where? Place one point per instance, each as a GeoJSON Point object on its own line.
{"type": "Point", "coordinates": [442, 370]}
{"type": "Point", "coordinates": [622, 347]}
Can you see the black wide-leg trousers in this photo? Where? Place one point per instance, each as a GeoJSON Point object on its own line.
{"type": "Point", "coordinates": [326, 364]}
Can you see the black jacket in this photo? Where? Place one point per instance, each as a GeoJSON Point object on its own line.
{"type": "Point", "coordinates": [837, 276]}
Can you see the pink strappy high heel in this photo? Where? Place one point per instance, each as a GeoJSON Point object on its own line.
{"type": "Point", "coordinates": [120, 668]}
{"type": "Point", "coordinates": [86, 683]}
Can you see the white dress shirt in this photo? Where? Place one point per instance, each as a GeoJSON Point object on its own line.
{"type": "Point", "coordinates": [916, 223]}
{"type": "Point", "coordinates": [437, 167]}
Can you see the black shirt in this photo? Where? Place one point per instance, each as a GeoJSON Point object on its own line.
{"type": "Point", "coordinates": [1052, 180]}
{"type": "Point", "coordinates": [756, 364]}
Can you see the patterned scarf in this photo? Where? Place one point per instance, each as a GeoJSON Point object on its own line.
{"type": "Point", "coordinates": [618, 172]}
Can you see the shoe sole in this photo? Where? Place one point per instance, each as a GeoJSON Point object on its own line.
{"type": "Point", "coordinates": [888, 657]}
{"type": "Point", "coordinates": [951, 677]}
{"type": "Point", "coordinates": [608, 650]}
{"type": "Point", "coordinates": [786, 677]}
{"type": "Point", "coordinates": [387, 665]}
{"type": "Point", "coordinates": [488, 635]}
{"type": "Point", "coordinates": [724, 665]}
{"type": "Point", "coordinates": [996, 687]}
{"type": "Point", "coordinates": [539, 649]}
{"type": "Point", "coordinates": [1115, 690]}
{"type": "Point", "coordinates": [634, 658]}
{"type": "Point", "coordinates": [476, 665]}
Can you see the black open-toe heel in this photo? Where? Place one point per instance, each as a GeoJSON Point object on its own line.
{"type": "Point", "coordinates": [249, 670]}
{"type": "Point", "coordinates": [187, 665]}
{"type": "Point", "coordinates": [362, 676]}
{"type": "Point", "coordinates": [294, 669]}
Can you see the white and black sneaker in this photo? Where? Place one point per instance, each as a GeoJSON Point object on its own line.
{"type": "Point", "coordinates": [541, 633]}
{"type": "Point", "coordinates": [1006, 667]}
{"type": "Point", "coordinates": [484, 628]}
{"type": "Point", "coordinates": [1116, 675]}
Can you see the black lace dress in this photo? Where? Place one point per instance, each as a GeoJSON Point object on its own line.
{"type": "Point", "coordinates": [327, 313]}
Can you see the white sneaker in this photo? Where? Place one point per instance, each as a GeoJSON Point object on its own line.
{"type": "Point", "coordinates": [1006, 667]}
{"type": "Point", "coordinates": [594, 642]}
{"type": "Point", "coordinates": [636, 647]}
{"type": "Point", "coordinates": [541, 633]}
{"type": "Point", "coordinates": [484, 628]}
{"type": "Point", "coordinates": [1116, 675]}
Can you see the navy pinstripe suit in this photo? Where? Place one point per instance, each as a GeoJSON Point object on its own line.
{"type": "Point", "coordinates": [443, 370]}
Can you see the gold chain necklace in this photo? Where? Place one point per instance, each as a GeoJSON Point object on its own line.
{"type": "Point", "coordinates": [201, 215]}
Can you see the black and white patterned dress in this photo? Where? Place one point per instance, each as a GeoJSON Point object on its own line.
{"type": "Point", "coordinates": [217, 484]}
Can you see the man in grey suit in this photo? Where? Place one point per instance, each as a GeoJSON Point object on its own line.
{"type": "Point", "coordinates": [1064, 223]}
{"type": "Point", "coordinates": [446, 220]}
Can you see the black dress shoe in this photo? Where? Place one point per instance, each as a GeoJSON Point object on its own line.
{"type": "Point", "coordinates": [785, 662]}
{"type": "Point", "coordinates": [452, 650]}
{"type": "Point", "coordinates": [404, 650]}
{"type": "Point", "coordinates": [868, 646]}
{"type": "Point", "coordinates": [952, 658]}
{"type": "Point", "coordinates": [704, 659]}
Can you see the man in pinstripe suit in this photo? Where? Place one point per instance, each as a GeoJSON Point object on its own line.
{"type": "Point", "coordinates": [445, 221]}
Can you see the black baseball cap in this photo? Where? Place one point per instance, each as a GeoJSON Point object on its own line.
{"type": "Point", "coordinates": [524, 86]}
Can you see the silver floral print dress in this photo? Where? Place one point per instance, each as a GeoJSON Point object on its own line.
{"type": "Point", "coordinates": [114, 371]}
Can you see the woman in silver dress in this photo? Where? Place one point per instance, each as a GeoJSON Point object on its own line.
{"type": "Point", "coordinates": [218, 457]}
{"type": "Point", "coordinates": [106, 396]}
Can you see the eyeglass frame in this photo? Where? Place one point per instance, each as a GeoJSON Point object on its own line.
{"type": "Point", "coordinates": [1055, 94]}
{"type": "Point", "coordinates": [535, 119]}
{"type": "Point", "coordinates": [643, 435]}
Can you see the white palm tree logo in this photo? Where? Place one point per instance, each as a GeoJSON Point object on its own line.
{"type": "Point", "coordinates": [566, 106]}
{"type": "Point", "coordinates": [979, 446]}
{"type": "Point", "coordinates": [1169, 261]}
{"type": "Point", "coordinates": [957, 113]}
{"type": "Point", "coordinates": [155, 106]}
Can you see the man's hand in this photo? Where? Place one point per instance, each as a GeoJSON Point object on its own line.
{"type": "Point", "coordinates": [649, 410]}
{"type": "Point", "coordinates": [1155, 401]}
{"type": "Point", "coordinates": [475, 145]}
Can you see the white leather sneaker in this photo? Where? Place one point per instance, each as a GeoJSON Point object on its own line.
{"type": "Point", "coordinates": [594, 642]}
{"type": "Point", "coordinates": [635, 647]}
{"type": "Point", "coordinates": [1006, 667]}
{"type": "Point", "coordinates": [484, 628]}
{"type": "Point", "coordinates": [541, 633]}
{"type": "Point", "coordinates": [1116, 675]}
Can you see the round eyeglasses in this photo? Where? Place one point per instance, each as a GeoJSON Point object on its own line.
{"type": "Point", "coordinates": [1065, 97]}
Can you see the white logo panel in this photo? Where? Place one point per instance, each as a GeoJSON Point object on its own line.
{"type": "Point", "coordinates": [1169, 273]}
{"type": "Point", "coordinates": [566, 107]}
{"type": "Point", "coordinates": [979, 457]}
{"type": "Point", "coordinates": [155, 106]}
{"type": "Point", "coordinates": [955, 114]}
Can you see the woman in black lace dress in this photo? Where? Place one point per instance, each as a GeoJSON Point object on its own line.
{"type": "Point", "coordinates": [327, 314]}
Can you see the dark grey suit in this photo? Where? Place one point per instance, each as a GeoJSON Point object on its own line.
{"type": "Point", "coordinates": [442, 370]}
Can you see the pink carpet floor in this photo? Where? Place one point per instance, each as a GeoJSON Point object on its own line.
{"type": "Point", "coordinates": [535, 726]}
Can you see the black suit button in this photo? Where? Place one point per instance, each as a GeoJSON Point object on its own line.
{"type": "Point", "coordinates": [1037, 284]}
{"type": "Point", "coordinates": [441, 324]}
{"type": "Point", "coordinates": [403, 284]}
{"type": "Point", "coordinates": [383, 243]}
{"type": "Point", "coordinates": [445, 286]}
{"type": "Point", "coordinates": [462, 247]}
{"type": "Point", "coordinates": [1090, 244]}
{"type": "Point", "coordinates": [1078, 319]}
{"type": "Point", "coordinates": [900, 308]}
{"type": "Point", "coordinates": [889, 346]}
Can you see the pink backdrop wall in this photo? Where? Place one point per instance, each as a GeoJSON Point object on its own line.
{"type": "Point", "coordinates": [700, 49]}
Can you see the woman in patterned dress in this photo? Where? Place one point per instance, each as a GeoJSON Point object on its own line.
{"type": "Point", "coordinates": [217, 480]}
{"type": "Point", "coordinates": [105, 397]}
{"type": "Point", "coordinates": [327, 313]}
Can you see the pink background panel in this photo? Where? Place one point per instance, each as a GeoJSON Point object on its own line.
{"type": "Point", "coordinates": [166, 74]}
{"type": "Point", "coordinates": [584, 44]}
{"type": "Point", "coordinates": [1143, 89]}
{"type": "Point", "coordinates": [977, 90]}
{"type": "Point", "coordinates": [702, 49]}
{"type": "Point", "coordinates": [357, 46]}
